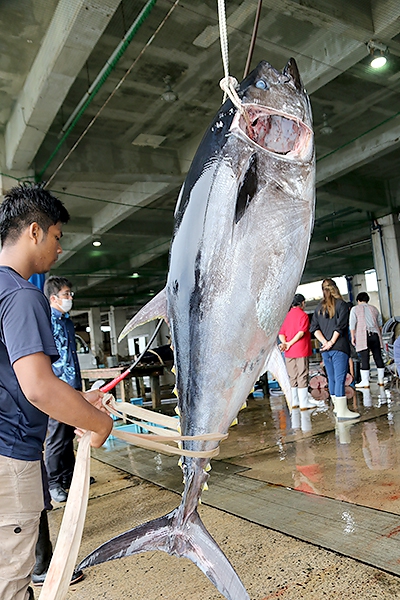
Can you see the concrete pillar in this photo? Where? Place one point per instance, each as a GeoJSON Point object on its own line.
{"type": "Point", "coordinates": [96, 335]}
{"type": "Point", "coordinates": [117, 320]}
{"type": "Point", "coordinates": [359, 285]}
{"type": "Point", "coordinates": [386, 250]}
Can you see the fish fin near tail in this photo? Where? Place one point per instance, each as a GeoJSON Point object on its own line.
{"type": "Point", "coordinates": [155, 309]}
{"type": "Point", "coordinates": [276, 365]}
{"type": "Point", "coordinates": [191, 541]}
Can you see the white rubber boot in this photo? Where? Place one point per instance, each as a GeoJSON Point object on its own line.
{"type": "Point", "coordinates": [367, 400]}
{"type": "Point", "coordinates": [342, 412]}
{"type": "Point", "coordinates": [381, 374]}
{"type": "Point", "coordinates": [305, 417]}
{"type": "Point", "coordinates": [342, 431]}
{"type": "Point", "coordinates": [304, 402]}
{"type": "Point", "coordinates": [295, 416]}
{"type": "Point", "coordinates": [295, 398]}
{"type": "Point", "coordinates": [333, 398]}
{"type": "Point", "coordinates": [382, 397]}
{"type": "Point", "coordinates": [364, 383]}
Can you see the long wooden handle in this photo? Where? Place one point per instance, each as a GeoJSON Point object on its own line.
{"type": "Point", "coordinates": [69, 538]}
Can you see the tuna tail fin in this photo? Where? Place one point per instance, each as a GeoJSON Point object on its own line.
{"type": "Point", "coordinates": [155, 309]}
{"type": "Point", "coordinates": [191, 541]}
{"type": "Point", "coordinates": [276, 365]}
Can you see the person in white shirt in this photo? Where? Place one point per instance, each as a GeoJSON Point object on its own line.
{"type": "Point", "coordinates": [366, 336]}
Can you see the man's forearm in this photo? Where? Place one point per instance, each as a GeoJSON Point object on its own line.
{"type": "Point", "coordinates": [56, 398]}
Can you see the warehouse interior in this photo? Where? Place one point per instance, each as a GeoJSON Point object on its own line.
{"type": "Point", "coordinates": [107, 101]}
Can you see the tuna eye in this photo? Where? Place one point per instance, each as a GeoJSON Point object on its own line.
{"type": "Point", "coordinates": [261, 84]}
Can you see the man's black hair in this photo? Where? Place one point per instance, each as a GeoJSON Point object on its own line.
{"type": "Point", "coordinates": [298, 300]}
{"type": "Point", "coordinates": [54, 284]}
{"type": "Point", "coordinates": [29, 203]}
{"type": "Point", "coordinates": [362, 297]}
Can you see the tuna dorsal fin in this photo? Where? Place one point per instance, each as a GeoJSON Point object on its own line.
{"type": "Point", "coordinates": [247, 189]}
{"type": "Point", "coordinates": [292, 70]}
{"type": "Point", "coordinates": [276, 365]}
{"type": "Point", "coordinates": [193, 542]}
{"type": "Point", "coordinates": [155, 309]}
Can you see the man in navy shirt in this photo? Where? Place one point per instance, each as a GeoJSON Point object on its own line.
{"type": "Point", "coordinates": [60, 457]}
{"type": "Point", "coordinates": [31, 220]}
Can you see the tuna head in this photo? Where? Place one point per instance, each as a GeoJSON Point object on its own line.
{"type": "Point", "coordinates": [243, 225]}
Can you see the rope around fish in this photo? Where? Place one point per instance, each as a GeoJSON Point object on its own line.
{"type": "Point", "coordinates": [167, 429]}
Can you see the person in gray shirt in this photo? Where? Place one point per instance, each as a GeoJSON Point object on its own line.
{"type": "Point", "coordinates": [366, 336]}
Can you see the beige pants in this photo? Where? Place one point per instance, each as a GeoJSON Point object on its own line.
{"type": "Point", "coordinates": [297, 369]}
{"type": "Point", "coordinates": [21, 502]}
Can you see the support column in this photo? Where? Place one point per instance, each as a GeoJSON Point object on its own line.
{"type": "Point", "coordinates": [386, 250]}
{"type": "Point", "coordinates": [359, 285]}
{"type": "Point", "coordinates": [117, 320]}
{"type": "Point", "coordinates": [96, 335]}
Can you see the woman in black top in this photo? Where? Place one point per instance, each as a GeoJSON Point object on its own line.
{"type": "Point", "coordinates": [330, 325]}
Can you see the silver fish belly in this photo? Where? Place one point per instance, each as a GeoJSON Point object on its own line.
{"type": "Point", "coordinates": [242, 230]}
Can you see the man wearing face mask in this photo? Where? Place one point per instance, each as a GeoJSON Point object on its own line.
{"type": "Point", "coordinates": [59, 454]}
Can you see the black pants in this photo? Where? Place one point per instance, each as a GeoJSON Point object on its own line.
{"type": "Point", "coordinates": [374, 345]}
{"type": "Point", "coordinates": [59, 454]}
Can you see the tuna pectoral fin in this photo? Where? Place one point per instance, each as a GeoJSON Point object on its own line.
{"type": "Point", "coordinates": [155, 309]}
{"type": "Point", "coordinates": [191, 541]}
{"type": "Point", "coordinates": [276, 365]}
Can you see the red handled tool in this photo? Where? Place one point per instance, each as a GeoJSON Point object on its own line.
{"type": "Point", "coordinates": [109, 386]}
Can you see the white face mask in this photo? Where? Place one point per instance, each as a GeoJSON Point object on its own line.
{"type": "Point", "coordinates": [66, 304]}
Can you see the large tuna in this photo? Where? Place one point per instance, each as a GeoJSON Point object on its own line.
{"type": "Point", "coordinates": [242, 229]}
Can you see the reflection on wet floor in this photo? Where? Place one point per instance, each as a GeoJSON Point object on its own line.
{"type": "Point", "coordinates": [335, 485]}
{"type": "Point", "coordinates": [309, 451]}
{"type": "Point", "coordinates": [356, 461]}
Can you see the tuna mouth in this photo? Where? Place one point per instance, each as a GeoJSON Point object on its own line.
{"type": "Point", "coordinates": [274, 131]}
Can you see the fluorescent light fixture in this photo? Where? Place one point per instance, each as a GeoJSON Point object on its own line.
{"type": "Point", "coordinates": [378, 62]}
{"type": "Point", "coordinates": [378, 52]}
{"type": "Point", "coordinates": [135, 275]}
{"type": "Point", "coordinates": [96, 243]}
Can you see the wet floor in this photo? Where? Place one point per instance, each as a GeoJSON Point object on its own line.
{"type": "Point", "coordinates": [295, 494]}
{"type": "Point", "coordinates": [356, 461]}
{"type": "Point", "coordinates": [308, 451]}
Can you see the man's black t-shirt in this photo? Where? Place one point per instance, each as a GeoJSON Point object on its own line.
{"type": "Point", "coordinates": [24, 329]}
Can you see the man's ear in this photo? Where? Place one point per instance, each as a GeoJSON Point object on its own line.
{"type": "Point", "coordinates": [35, 232]}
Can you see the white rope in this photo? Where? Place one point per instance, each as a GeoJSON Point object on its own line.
{"type": "Point", "coordinates": [69, 538]}
{"type": "Point", "coordinates": [228, 84]}
{"type": "Point", "coordinates": [166, 433]}
{"type": "Point", "coordinates": [223, 34]}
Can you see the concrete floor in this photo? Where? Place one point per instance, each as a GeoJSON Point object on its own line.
{"type": "Point", "coordinates": [301, 507]}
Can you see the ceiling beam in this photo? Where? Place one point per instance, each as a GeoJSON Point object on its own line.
{"type": "Point", "coordinates": [340, 17]}
{"type": "Point", "coordinates": [338, 199]}
{"type": "Point", "coordinates": [344, 31]}
{"type": "Point", "coordinates": [152, 251]}
{"type": "Point", "coordinates": [367, 147]}
{"type": "Point", "coordinates": [70, 38]}
{"type": "Point", "coordinates": [385, 17]}
{"type": "Point", "coordinates": [136, 197]}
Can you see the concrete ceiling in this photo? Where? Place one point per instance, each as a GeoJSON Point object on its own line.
{"type": "Point", "coordinates": [121, 180]}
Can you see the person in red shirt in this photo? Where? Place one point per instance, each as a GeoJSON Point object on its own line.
{"type": "Point", "coordinates": [296, 343]}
